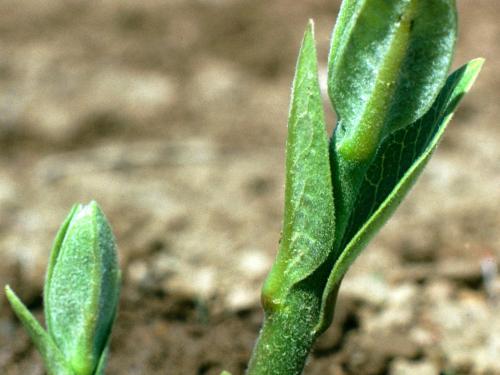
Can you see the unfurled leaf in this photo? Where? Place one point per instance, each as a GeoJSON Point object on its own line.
{"type": "Point", "coordinates": [394, 170]}
{"type": "Point", "coordinates": [308, 226]}
{"type": "Point", "coordinates": [388, 61]}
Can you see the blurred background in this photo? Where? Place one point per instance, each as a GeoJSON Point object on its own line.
{"type": "Point", "coordinates": [172, 115]}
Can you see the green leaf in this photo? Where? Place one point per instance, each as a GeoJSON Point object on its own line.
{"type": "Point", "coordinates": [394, 170]}
{"type": "Point", "coordinates": [51, 355]}
{"type": "Point", "coordinates": [387, 62]}
{"type": "Point", "coordinates": [400, 150]}
{"type": "Point", "coordinates": [103, 360]}
{"type": "Point", "coordinates": [54, 253]}
{"type": "Point", "coordinates": [308, 226]}
{"type": "Point", "coordinates": [344, 18]}
{"type": "Point", "coordinates": [82, 288]}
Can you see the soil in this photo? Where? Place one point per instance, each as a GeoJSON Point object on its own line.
{"type": "Point", "coordinates": [172, 115]}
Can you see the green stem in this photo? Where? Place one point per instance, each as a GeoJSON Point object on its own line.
{"type": "Point", "coordinates": [287, 336]}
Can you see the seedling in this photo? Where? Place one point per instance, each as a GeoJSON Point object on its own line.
{"type": "Point", "coordinates": [80, 296]}
{"type": "Point", "coordinates": [387, 81]}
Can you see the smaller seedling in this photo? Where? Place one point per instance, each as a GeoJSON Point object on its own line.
{"type": "Point", "coordinates": [81, 293]}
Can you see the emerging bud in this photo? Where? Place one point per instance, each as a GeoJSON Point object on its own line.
{"type": "Point", "coordinates": [82, 288]}
{"type": "Point", "coordinates": [388, 62]}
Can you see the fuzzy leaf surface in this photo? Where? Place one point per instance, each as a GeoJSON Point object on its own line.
{"type": "Point", "coordinates": [82, 288]}
{"type": "Point", "coordinates": [54, 253]}
{"type": "Point", "coordinates": [394, 170]}
{"type": "Point", "coordinates": [388, 61]}
{"type": "Point", "coordinates": [308, 226]}
{"type": "Point", "coordinates": [52, 357]}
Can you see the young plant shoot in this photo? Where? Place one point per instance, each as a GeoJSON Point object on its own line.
{"type": "Point", "coordinates": [387, 81]}
{"type": "Point", "coordinates": [81, 293]}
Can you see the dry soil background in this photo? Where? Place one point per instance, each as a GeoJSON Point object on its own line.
{"type": "Point", "coordinates": [172, 114]}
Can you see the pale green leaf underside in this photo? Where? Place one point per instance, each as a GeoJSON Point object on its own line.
{"type": "Point", "coordinates": [56, 247]}
{"type": "Point", "coordinates": [308, 218]}
{"type": "Point", "coordinates": [396, 166]}
{"type": "Point", "coordinates": [51, 355]}
{"type": "Point", "coordinates": [387, 62]}
{"type": "Point", "coordinates": [82, 292]}
{"type": "Point", "coordinates": [72, 294]}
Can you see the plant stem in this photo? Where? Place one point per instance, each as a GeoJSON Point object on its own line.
{"type": "Point", "coordinates": [287, 335]}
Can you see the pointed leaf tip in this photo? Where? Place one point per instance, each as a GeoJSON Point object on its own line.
{"type": "Point", "coordinates": [472, 70]}
{"type": "Point", "coordinates": [310, 26]}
